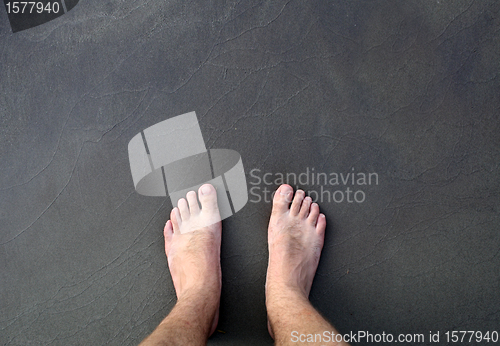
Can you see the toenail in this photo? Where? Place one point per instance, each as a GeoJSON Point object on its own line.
{"type": "Point", "coordinates": [205, 190]}
{"type": "Point", "coordinates": [284, 191]}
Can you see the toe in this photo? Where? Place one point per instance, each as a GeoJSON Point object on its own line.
{"type": "Point", "coordinates": [183, 208]}
{"type": "Point", "coordinates": [168, 232]}
{"type": "Point", "coordinates": [175, 218]}
{"type": "Point", "coordinates": [297, 202]}
{"type": "Point", "coordinates": [304, 208]}
{"type": "Point", "coordinates": [282, 199]}
{"type": "Point", "coordinates": [208, 198]}
{"type": "Point", "coordinates": [269, 329]}
{"type": "Point", "coordinates": [321, 225]}
{"type": "Point", "coordinates": [313, 214]}
{"type": "Point", "coordinates": [194, 207]}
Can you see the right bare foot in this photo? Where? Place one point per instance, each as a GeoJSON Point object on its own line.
{"type": "Point", "coordinates": [296, 234]}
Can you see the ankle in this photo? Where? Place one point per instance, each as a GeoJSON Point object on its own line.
{"type": "Point", "coordinates": [193, 314]}
{"type": "Point", "coordinates": [205, 291]}
{"type": "Point", "coordinates": [278, 294]}
{"type": "Point", "coordinates": [282, 285]}
{"type": "Point", "coordinates": [202, 304]}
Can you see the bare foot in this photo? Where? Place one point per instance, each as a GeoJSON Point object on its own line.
{"type": "Point", "coordinates": [296, 233]}
{"type": "Point", "coordinates": [192, 244]}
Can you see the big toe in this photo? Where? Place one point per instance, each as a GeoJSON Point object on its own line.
{"type": "Point", "coordinates": [282, 199]}
{"type": "Point", "coordinates": [208, 198]}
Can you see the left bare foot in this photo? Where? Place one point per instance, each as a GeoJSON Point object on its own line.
{"type": "Point", "coordinates": [192, 244]}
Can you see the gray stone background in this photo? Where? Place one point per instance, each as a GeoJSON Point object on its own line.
{"type": "Point", "coordinates": [407, 89]}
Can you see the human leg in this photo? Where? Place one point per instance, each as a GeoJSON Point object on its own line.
{"type": "Point", "coordinates": [192, 245]}
{"type": "Point", "coordinates": [295, 236]}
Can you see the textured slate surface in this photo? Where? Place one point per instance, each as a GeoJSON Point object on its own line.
{"type": "Point", "coordinates": [406, 89]}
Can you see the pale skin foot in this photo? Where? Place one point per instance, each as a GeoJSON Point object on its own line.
{"type": "Point", "coordinates": [295, 235]}
{"type": "Point", "coordinates": [192, 245]}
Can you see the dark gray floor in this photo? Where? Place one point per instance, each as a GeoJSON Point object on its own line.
{"type": "Point", "coordinates": [409, 90]}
